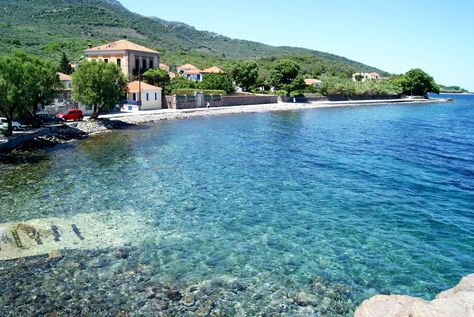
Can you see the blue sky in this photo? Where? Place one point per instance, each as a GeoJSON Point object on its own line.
{"type": "Point", "coordinates": [395, 36]}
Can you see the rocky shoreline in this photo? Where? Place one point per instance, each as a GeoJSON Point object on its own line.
{"type": "Point", "coordinates": [54, 135]}
{"type": "Point", "coordinates": [457, 301]}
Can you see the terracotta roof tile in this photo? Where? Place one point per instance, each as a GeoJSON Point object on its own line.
{"type": "Point", "coordinates": [136, 86]}
{"type": "Point", "coordinates": [212, 70]}
{"type": "Point", "coordinates": [121, 45]}
{"type": "Point", "coordinates": [64, 77]}
{"type": "Point", "coordinates": [187, 66]}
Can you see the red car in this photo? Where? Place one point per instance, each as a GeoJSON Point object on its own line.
{"type": "Point", "coordinates": [72, 114]}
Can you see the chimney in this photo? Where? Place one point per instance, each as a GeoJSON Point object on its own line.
{"type": "Point", "coordinates": [89, 46]}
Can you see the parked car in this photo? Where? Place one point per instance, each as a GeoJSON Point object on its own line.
{"type": "Point", "coordinates": [72, 114]}
{"type": "Point", "coordinates": [4, 124]}
{"type": "Point", "coordinates": [46, 118]}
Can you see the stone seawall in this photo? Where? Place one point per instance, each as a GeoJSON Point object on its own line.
{"type": "Point", "coordinates": [216, 101]}
{"type": "Point", "coordinates": [248, 100]}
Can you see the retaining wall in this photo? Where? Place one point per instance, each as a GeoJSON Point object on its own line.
{"type": "Point", "coordinates": [203, 101]}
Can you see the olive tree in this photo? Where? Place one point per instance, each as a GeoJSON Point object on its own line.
{"type": "Point", "coordinates": [246, 74]}
{"type": "Point", "coordinates": [98, 84]}
{"type": "Point", "coordinates": [26, 82]}
{"type": "Point", "coordinates": [285, 75]}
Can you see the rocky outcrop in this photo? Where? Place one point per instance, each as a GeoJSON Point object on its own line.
{"type": "Point", "coordinates": [101, 125]}
{"type": "Point", "coordinates": [455, 302]}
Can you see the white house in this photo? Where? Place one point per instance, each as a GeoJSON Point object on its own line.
{"type": "Point", "coordinates": [143, 96]}
{"type": "Point", "coordinates": [366, 76]}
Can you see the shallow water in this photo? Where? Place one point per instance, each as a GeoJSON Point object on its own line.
{"type": "Point", "coordinates": [293, 213]}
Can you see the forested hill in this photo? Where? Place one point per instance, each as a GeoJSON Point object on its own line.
{"type": "Point", "coordinates": [48, 27]}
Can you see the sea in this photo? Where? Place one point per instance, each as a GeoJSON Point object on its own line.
{"type": "Point", "coordinates": [296, 213]}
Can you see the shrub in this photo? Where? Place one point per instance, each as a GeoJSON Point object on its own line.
{"type": "Point", "coordinates": [187, 92]}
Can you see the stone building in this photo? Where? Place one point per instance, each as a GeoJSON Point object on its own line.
{"type": "Point", "coordinates": [132, 58]}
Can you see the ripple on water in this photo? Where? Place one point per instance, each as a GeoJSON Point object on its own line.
{"type": "Point", "coordinates": [296, 213]}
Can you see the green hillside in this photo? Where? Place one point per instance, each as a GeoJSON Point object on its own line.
{"type": "Point", "coordinates": [48, 27]}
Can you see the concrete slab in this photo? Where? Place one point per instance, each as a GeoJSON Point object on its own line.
{"type": "Point", "coordinates": [83, 231]}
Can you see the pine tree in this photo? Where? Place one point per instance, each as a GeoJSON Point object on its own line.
{"type": "Point", "coordinates": [65, 65]}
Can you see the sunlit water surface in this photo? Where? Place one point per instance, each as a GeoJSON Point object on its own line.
{"type": "Point", "coordinates": [292, 213]}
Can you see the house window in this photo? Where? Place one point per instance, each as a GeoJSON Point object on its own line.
{"type": "Point", "coordinates": [147, 96]}
{"type": "Point", "coordinates": [137, 64]}
{"type": "Point", "coordinates": [106, 60]}
{"type": "Point", "coordinates": [134, 96]}
{"type": "Point", "coordinates": [150, 64]}
{"type": "Point", "coordinates": [156, 96]}
{"type": "Point", "coordinates": [143, 64]}
{"type": "Point", "coordinates": [119, 62]}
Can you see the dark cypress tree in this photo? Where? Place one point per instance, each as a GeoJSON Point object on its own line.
{"type": "Point", "coordinates": [65, 65]}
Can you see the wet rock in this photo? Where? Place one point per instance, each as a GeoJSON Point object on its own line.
{"type": "Point", "coordinates": [458, 301]}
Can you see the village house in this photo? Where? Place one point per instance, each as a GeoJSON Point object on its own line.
{"type": "Point", "coordinates": [63, 100]}
{"type": "Point", "coordinates": [132, 58]}
{"type": "Point", "coordinates": [142, 96]}
{"type": "Point", "coordinates": [366, 76]}
{"type": "Point", "coordinates": [191, 72]}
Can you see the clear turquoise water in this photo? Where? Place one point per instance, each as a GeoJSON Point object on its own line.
{"type": "Point", "coordinates": [378, 199]}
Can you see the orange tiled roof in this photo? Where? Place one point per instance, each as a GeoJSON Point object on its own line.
{"type": "Point", "coordinates": [192, 72]}
{"type": "Point", "coordinates": [212, 70]}
{"type": "Point", "coordinates": [187, 66]}
{"type": "Point", "coordinates": [64, 77]}
{"type": "Point", "coordinates": [172, 75]}
{"type": "Point", "coordinates": [121, 45]}
{"type": "Point", "coordinates": [164, 67]}
{"type": "Point", "coordinates": [136, 86]}
{"type": "Point", "coordinates": [311, 81]}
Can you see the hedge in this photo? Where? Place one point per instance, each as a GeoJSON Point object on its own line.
{"type": "Point", "coordinates": [187, 92]}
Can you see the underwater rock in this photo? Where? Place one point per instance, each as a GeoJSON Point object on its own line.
{"type": "Point", "coordinates": [122, 253]}
{"type": "Point", "coordinates": [457, 301]}
{"type": "Point", "coordinates": [54, 255]}
{"type": "Point", "coordinates": [173, 294]}
{"type": "Point", "coordinates": [161, 304]}
{"type": "Point", "coordinates": [303, 299]}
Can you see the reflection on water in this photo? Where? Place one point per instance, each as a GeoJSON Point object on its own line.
{"type": "Point", "coordinates": [300, 213]}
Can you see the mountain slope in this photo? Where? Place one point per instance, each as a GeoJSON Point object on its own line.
{"type": "Point", "coordinates": [47, 27]}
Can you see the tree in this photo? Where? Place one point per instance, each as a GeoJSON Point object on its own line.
{"type": "Point", "coordinates": [160, 78]}
{"type": "Point", "coordinates": [246, 74]}
{"type": "Point", "coordinates": [11, 88]}
{"type": "Point", "coordinates": [416, 82]}
{"type": "Point", "coordinates": [181, 83]}
{"type": "Point", "coordinates": [217, 82]}
{"type": "Point", "coordinates": [65, 65]}
{"type": "Point", "coordinates": [101, 85]}
{"type": "Point", "coordinates": [42, 80]}
{"type": "Point", "coordinates": [283, 74]}
{"type": "Point", "coordinates": [157, 77]}
{"type": "Point", "coordinates": [25, 83]}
